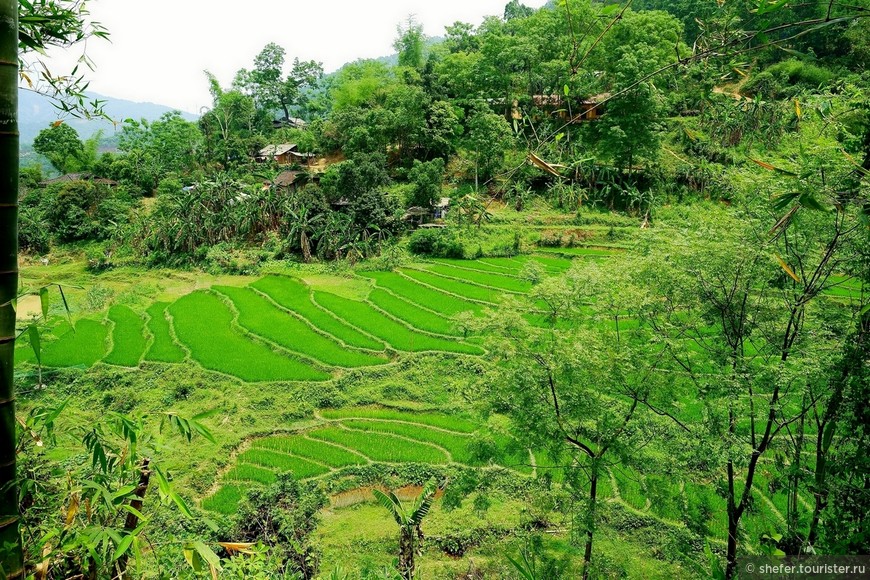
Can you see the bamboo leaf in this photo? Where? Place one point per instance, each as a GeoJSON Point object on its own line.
{"type": "Point", "coordinates": [787, 269]}
{"type": "Point", "coordinates": [770, 167]}
{"type": "Point", "coordinates": [43, 301]}
{"type": "Point", "coordinates": [177, 499]}
{"type": "Point", "coordinates": [240, 547]}
{"type": "Point", "coordinates": [210, 557]}
{"type": "Point", "coordinates": [35, 343]}
{"type": "Point", "coordinates": [123, 546]}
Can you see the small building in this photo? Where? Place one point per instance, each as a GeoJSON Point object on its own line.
{"type": "Point", "coordinates": [284, 154]}
{"type": "Point", "coordinates": [293, 180]}
{"type": "Point", "coordinates": [567, 109]}
{"type": "Point", "coordinates": [289, 123]}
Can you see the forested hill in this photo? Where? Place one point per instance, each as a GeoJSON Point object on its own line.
{"type": "Point", "coordinates": [36, 112]}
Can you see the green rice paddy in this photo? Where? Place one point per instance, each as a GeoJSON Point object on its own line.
{"type": "Point", "coordinates": [262, 317]}
{"type": "Point", "coordinates": [128, 337]}
{"type": "Point", "coordinates": [454, 286]}
{"type": "Point", "coordinates": [399, 336]}
{"type": "Point", "coordinates": [163, 347]}
{"type": "Point", "coordinates": [421, 295]}
{"type": "Point", "coordinates": [84, 346]}
{"type": "Point", "coordinates": [204, 323]}
{"type": "Point", "coordinates": [410, 313]}
{"type": "Point", "coordinates": [296, 297]}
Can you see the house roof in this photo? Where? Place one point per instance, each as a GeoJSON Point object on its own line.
{"type": "Point", "coordinates": [275, 150]}
{"type": "Point", "coordinates": [286, 178]}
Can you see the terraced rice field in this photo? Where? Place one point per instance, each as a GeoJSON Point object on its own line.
{"type": "Point", "coordinates": [163, 347]}
{"type": "Point", "coordinates": [204, 323]}
{"type": "Point", "coordinates": [350, 437]}
{"type": "Point", "coordinates": [287, 329]}
{"type": "Point", "coordinates": [128, 337]}
{"type": "Point", "coordinates": [394, 333]}
{"type": "Point", "coordinates": [261, 316]}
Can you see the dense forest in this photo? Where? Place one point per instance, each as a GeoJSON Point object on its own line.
{"type": "Point", "coordinates": [579, 291]}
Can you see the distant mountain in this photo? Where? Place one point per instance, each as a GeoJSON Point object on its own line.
{"type": "Point", "coordinates": [36, 112]}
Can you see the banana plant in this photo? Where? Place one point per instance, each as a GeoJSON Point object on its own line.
{"type": "Point", "coordinates": [409, 519]}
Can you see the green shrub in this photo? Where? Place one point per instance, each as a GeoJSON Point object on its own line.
{"type": "Point", "coordinates": [440, 243]}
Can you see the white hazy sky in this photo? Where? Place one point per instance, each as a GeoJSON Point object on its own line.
{"type": "Point", "coordinates": [159, 48]}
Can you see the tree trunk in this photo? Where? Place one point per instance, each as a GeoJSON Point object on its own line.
{"type": "Point", "coordinates": [590, 521]}
{"type": "Point", "coordinates": [406, 554]}
{"type": "Point", "coordinates": [731, 551]}
{"type": "Point", "coordinates": [853, 359]}
{"type": "Point", "coordinates": [11, 557]}
{"type": "Point", "coordinates": [306, 247]}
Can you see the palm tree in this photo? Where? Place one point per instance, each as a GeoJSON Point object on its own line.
{"type": "Point", "coordinates": [409, 520]}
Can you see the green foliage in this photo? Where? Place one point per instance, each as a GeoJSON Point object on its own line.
{"type": "Point", "coordinates": [61, 145]}
{"type": "Point", "coordinates": [431, 419]}
{"type": "Point", "coordinates": [426, 178]}
{"type": "Point", "coordinates": [79, 210]}
{"type": "Point", "coordinates": [788, 78]}
{"type": "Point", "coordinates": [284, 516]}
{"type": "Point", "coordinates": [434, 242]}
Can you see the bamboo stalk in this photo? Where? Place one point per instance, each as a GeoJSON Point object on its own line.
{"type": "Point", "coordinates": [11, 558]}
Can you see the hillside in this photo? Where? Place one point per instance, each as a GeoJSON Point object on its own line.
{"type": "Point", "coordinates": [36, 112]}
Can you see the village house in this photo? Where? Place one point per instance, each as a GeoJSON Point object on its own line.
{"type": "Point", "coordinates": [566, 109]}
{"type": "Point", "coordinates": [284, 154]}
